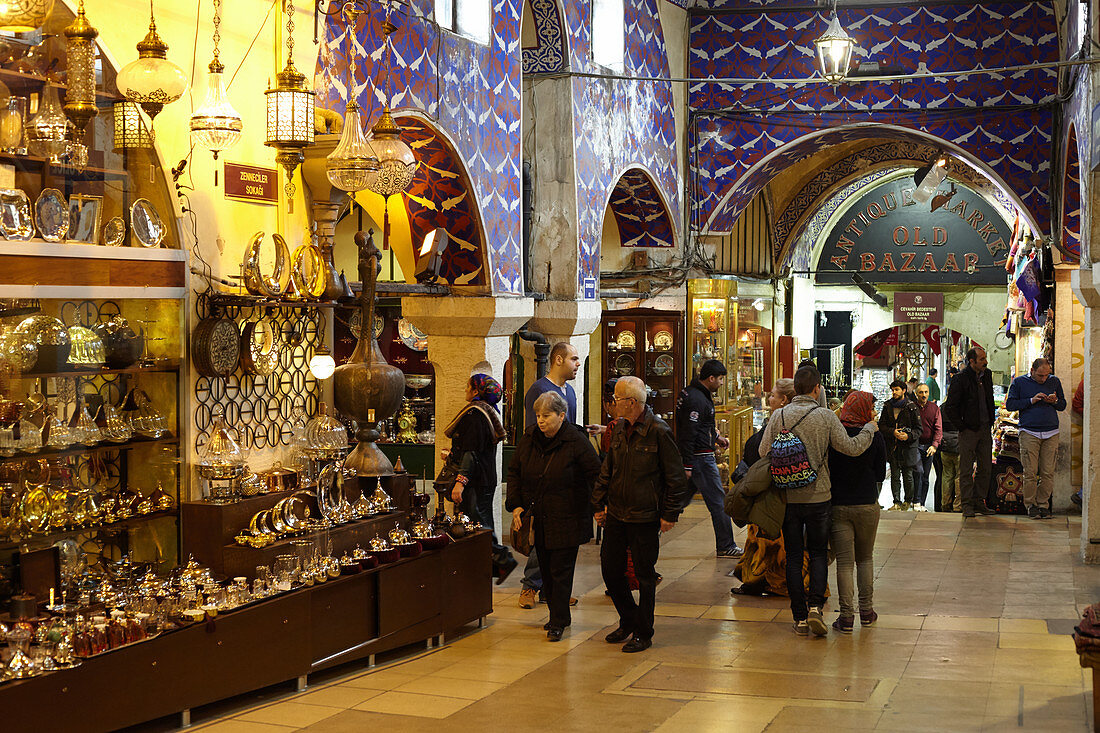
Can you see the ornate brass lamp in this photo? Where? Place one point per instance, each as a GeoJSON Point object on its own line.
{"type": "Point", "coordinates": [352, 166]}
{"type": "Point", "coordinates": [215, 125]}
{"type": "Point", "coordinates": [23, 16]}
{"type": "Point", "coordinates": [131, 132]}
{"type": "Point", "coordinates": [289, 111]}
{"type": "Point", "coordinates": [834, 51]}
{"type": "Point", "coordinates": [367, 388]}
{"type": "Point", "coordinates": [80, 105]}
{"type": "Point", "coordinates": [151, 80]}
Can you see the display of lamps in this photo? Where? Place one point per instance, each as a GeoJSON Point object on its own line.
{"type": "Point", "coordinates": [131, 132]}
{"type": "Point", "coordinates": [834, 51]}
{"type": "Point", "coordinates": [80, 106]}
{"type": "Point", "coordinates": [215, 125]}
{"type": "Point", "coordinates": [396, 162]}
{"type": "Point", "coordinates": [22, 16]}
{"type": "Point", "coordinates": [289, 112]}
{"type": "Point", "coordinates": [352, 166]}
{"type": "Point", "coordinates": [151, 80]}
{"type": "Point", "coordinates": [48, 132]}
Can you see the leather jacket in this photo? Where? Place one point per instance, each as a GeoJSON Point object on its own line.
{"type": "Point", "coordinates": [695, 421]}
{"type": "Point", "coordinates": [642, 478]}
{"type": "Point", "coordinates": [964, 394]}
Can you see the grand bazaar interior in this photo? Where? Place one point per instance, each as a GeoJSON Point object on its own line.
{"type": "Point", "coordinates": [257, 255]}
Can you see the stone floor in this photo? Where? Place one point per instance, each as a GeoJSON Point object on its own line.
{"type": "Point", "coordinates": [973, 636]}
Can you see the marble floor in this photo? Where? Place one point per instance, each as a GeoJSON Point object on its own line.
{"type": "Point", "coordinates": [973, 635]}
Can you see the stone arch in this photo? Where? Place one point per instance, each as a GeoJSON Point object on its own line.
{"type": "Point", "coordinates": [759, 175]}
{"type": "Point", "coordinates": [440, 196]}
{"type": "Point", "coordinates": [1070, 220]}
{"type": "Point", "coordinates": [640, 210]}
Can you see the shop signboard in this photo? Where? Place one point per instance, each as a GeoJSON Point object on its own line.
{"type": "Point", "coordinates": [251, 183]}
{"type": "Point", "coordinates": [954, 237]}
{"type": "Point", "coordinates": [918, 307]}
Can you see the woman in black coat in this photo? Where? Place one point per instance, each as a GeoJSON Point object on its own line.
{"type": "Point", "coordinates": [476, 434]}
{"type": "Point", "coordinates": [551, 477]}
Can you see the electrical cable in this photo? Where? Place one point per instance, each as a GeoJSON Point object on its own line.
{"type": "Point", "coordinates": [249, 49]}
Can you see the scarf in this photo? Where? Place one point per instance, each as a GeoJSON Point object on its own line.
{"type": "Point", "coordinates": [487, 411]}
{"type": "Point", "coordinates": [858, 409]}
{"type": "Point", "coordinates": [488, 389]}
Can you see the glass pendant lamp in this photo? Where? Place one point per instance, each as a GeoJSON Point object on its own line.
{"type": "Point", "coordinates": [215, 125]}
{"type": "Point", "coordinates": [396, 162]}
{"type": "Point", "coordinates": [834, 51]}
{"type": "Point", "coordinates": [23, 16]}
{"type": "Point", "coordinates": [48, 131]}
{"type": "Point", "coordinates": [352, 166]}
{"type": "Point", "coordinates": [80, 106]}
{"type": "Point", "coordinates": [151, 80]}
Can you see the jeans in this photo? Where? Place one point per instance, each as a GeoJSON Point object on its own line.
{"type": "Point", "coordinates": [853, 539]}
{"type": "Point", "coordinates": [975, 447]}
{"type": "Point", "coordinates": [806, 529]}
{"type": "Point", "coordinates": [558, 585]}
{"type": "Point", "coordinates": [643, 541]}
{"type": "Point", "coordinates": [950, 498]}
{"type": "Point", "coordinates": [483, 498]}
{"type": "Point", "coordinates": [1037, 455]}
{"type": "Point", "coordinates": [705, 478]}
{"type": "Point", "coordinates": [937, 493]}
{"type": "Point", "coordinates": [900, 477]}
{"type": "Point", "coordinates": [926, 473]}
{"type": "Point", "coordinates": [532, 575]}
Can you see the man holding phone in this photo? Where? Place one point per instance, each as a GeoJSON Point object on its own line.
{"type": "Point", "coordinates": [1038, 397]}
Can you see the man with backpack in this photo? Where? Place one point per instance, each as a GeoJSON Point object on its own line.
{"type": "Point", "coordinates": [798, 437]}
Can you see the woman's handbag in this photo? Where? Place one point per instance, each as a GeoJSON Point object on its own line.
{"type": "Point", "coordinates": [445, 481]}
{"type": "Point", "coordinates": [523, 537]}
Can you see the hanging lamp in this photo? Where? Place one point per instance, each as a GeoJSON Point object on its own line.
{"type": "Point", "coordinates": [289, 112]}
{"type": "Point", "coordinates": [131, 132]}
{"type": "Point", "coordinates": [396, 162]}
{"type": "Point", "coordinates": [151, 80]}
{"type": "Point", "coordinates": [48, 132]}
{"type": "Point", "coordinates": [215, 125]}
{"type": "Point", "coordinates": [834, 51]}
{"type": "Point", "coordinates": [23, 16]}
{"type": "Point", "coordinates": [80, 106]}
{"type": "Point", "coordinates": [352, 166]}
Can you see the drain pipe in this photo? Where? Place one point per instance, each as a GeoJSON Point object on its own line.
{"type": "Point", "coordinates": [542, 349]}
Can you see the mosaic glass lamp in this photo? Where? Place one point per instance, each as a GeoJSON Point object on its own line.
{"type": "Point", "coordinates": [80, 106]}
{"type": "Point", "coordinates": [151, 80]}
{"type": "Point", "coordinates": [131, 132]}
{"type": "Point", "coordinates": [23, 16]}
{"type": "Point", "coordinates": [396, 162]}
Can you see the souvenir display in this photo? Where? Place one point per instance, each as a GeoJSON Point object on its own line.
{"type": "Point", "coordinates": [16, 220]}
{"type": "Point", "coordinates": [260, 348]}
{"type": "Point", "coordinates": [624, 365]}
{"type": "Point", "coordinates": [86, 349]}
{"type": "Point", "coordinates": [663, 365]}
{"type": "Point", "coordinates": [50, 338]}
{"type": "Point", "coordinates": [84, 214]}
{"type": "Point", "coordinates": [216, 347]}
{"type": "Point", "coordinates": [662, 341]}
{"type": "Point", "coordinates": [281, 277]}
{"type": "Point", "coordinates": [146, 224]}
{"type": "Point", "coordinates": [221, 463]}
{"type": "Point", "coordinates": [114, 232]}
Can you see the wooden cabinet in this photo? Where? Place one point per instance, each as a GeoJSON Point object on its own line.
{"type": "Point", "coordinates": [646, 343]}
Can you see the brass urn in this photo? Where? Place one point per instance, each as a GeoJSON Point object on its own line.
{"type": "Point", "coordinates": [367, 388]}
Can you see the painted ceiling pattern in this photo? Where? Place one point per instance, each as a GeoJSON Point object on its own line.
{"type": "Point", "coordinates": [549, 54]}
{"type": "Point", "coordinates": [470, 90]}
{"type": "Point", "coordinates": [639, 212]}
{"type": "Point", "coordinates": [738, 152]}
{"type": "Point", "coordinates": [619, 124]}
{"type": "Point", "coordinates": [439, 197]}
{"type": "Point", "coordinates": [1078, 149]}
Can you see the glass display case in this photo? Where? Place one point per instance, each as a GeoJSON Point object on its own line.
{"type": "Point", "coordinates": [645, 343]}
{"type": "Point", "coordinates": [712, 317]}
{"type": "Point", "coordinates": [752, 355]}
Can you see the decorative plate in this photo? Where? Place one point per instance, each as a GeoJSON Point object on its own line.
{"type": "Point", "coordinates": [114, 232]}
{"type": "Point", "coordinates": [51, 214]}
{"type": "Point", "coordinates": [16, 221]}
{"type": "Point", "coordinates": [662, 341]}
{"type": "Point", "coordinates": [411, 336]}
{"type": "Point", "coordinates": [146, 223]}
{"type": "Point", "coordinates": [216, 347]}
{"type": "Point", "coordinates": [663, 365]}
{"type": "Point", "coordinates": [260, 348]}
{"type": "Point", "coordinates": [625, 340]}
{"type": "Point", "coordinates": [624, 365]}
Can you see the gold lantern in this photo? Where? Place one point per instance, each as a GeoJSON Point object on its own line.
{"type": "Point", "coordinates": [80, 105]}
{"type": "Point", "coordinates": [23, 16]}
{"type": "Point", "coordinates": [289, 112]}
{"type": "Point", "coordinates": [151, 79]}
{"type": "Point", "coordinates": [131, 132]}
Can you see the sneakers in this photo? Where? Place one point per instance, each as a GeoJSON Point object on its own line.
{"type": "Point", "coordinates": [736, 552]}
{"type": "Point", "coordinates": [844, 624]}
{"type": "Point", "coordinates": [897, 507]}
{"type": "Point", "coordinates": [528, 598]}
{"type": "Point", "coordinates": [816, 622]}
{"type": "Point", "coordinates": [1034, 512]}
{"type": "Point", "coordinates": [868, 618]}
{"type": "Point", "coordinates": [1045, 513]}
{"type": "Point", "coordinates": [801, 628]}
{"type": "Point", "coordinates": [919, 508]}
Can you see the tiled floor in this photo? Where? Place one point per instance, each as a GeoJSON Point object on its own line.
{"type": "Point", "coordinates": [971, 637]}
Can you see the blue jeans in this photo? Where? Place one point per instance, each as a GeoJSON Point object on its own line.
{"type": "Point", "coordinates": [806, 528]}
{"type": "Point", "coordinates": [532, 575]}
{"type": "Point", "coordinates": [706, 479]}
{"type": "Point", "coordinates": [926, 472]}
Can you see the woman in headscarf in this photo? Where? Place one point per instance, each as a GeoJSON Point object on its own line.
{"type": "Point", "coordinates": [856, 481]}
{"type": "Point", "coordinates": [476, 434]}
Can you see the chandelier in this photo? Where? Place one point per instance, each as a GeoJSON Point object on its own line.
{"type": "Point", "coordinates": [151, 80]}
{"type": "Point", "coordinates": [396, 162]}
{"type": "Point", "coordinates": [80, 105]}
{"type": "Point", "coordinates": [215, 125]}
{"type": "Point", "coordinates": [23, 16]}
{"type": "Point", "coordinates": [352, 166]}
{"type": "Point", "coordinates": [834, 51]}
{"type": "Point", "coordinates": [289, 112]}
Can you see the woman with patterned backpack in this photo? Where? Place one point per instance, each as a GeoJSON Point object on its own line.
{"type": "Point", "coordinates": [797, 439]}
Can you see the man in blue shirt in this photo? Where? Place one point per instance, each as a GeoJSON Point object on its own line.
{"type": "Point", "coordinates": [565, 362]}
{"type": "Point", "coordinates": [1038, 397]}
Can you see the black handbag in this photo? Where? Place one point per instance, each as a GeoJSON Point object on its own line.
{"type": "Point", "coordinates": [523, 539]}
{"type": "Point", "coordinates": [446, 479]}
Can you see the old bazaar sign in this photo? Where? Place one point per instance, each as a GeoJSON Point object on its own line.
{"type": "Point", "coordinates": [887, 237]}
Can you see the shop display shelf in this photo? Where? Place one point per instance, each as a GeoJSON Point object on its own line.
{"type": "Point", "coordinates": [21, 82]}
{"type": "Point", "coordinates": [49, 538]}
{"type": "Point", "coordinates": [162, 365]}
{"type": "Point", "coordinates": [247, 300]}
{"type": "Point", "coordinates": [84, 449]}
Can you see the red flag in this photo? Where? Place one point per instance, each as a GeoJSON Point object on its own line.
{"type": "Point", "coordinates": [872, 346]}
{"type": "Point", "coordinates": [932, 336]}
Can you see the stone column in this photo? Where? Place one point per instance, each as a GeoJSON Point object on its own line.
{"type": "Point", "coordinates": [1086, 284]}
{"type": "Point", "coordinates": [464, 334]}
{"type": "Point", "coordinates": [564, 320]}
{"type": "Point", "coordinates": [1063, 369]}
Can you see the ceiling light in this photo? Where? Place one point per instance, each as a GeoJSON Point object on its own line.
{"type": "Point", "coordinates": [215, 125]}
{"type": "Point", "coordinates": [834, 51]}
{"type": "Point", "coordinates": [151, 80]}
{"type": "Point", "coordinates": [928, 178]}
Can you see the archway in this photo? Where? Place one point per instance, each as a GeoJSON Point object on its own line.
{"type": "Point", "coordinates": [1071, 200]}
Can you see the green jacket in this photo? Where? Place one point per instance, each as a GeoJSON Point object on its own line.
{"type": "Point", "coordinates": [753, 500]}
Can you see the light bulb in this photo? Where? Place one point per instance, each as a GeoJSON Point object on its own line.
{"type": "Point", "coordinates": [322, 365]}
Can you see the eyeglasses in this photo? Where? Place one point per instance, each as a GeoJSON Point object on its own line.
{"type": "Point", "coordinates": [623, 399]}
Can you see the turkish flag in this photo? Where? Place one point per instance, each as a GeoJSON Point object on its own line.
{"type": "Point", "coordinates": [932, 336]}
{"type": "Point", "coordinates": [872, 346]}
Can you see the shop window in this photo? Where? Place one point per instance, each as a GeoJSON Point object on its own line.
{"type": "Point", "coordinates": [609, 44]}
{"type": "Point", "coordinates": [470, 18]}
